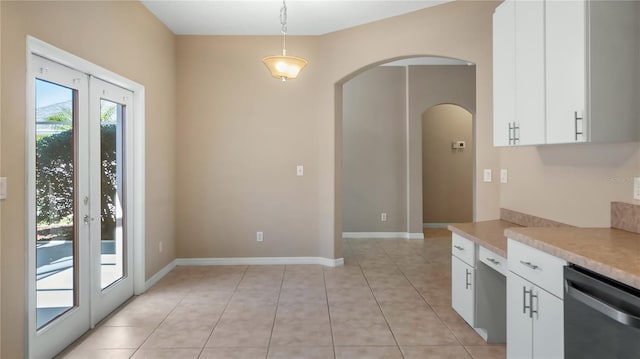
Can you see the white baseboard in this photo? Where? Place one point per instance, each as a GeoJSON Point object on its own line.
{"type": "Point", "coordinates": [435, 225]}
{"type": "Point", "coordinates": [404, 235]}
{"type": "Point", "coordinates": [159, 275]}
{"type": "Point", "coordinates": [259, 261]}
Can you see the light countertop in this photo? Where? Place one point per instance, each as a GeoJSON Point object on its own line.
{"type": "Point", "coordinates": [611, 252]}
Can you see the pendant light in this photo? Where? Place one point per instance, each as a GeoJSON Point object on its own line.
{"type": "Point", "coordinates": [284, 67]}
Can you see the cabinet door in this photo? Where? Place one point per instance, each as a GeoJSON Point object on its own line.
{"type": "Point", "coordinates": [519, 324]}
{"type": "Point", "coordinates": [530, 78]}
{"type": "Point", "coordinates": [504, 72]}
{"type": "Point", "coordinates": [565, 71]}
{"type": "Point", "coordinates": [548, 325]}
{"type": "Point", "coordinates": [462, 289]}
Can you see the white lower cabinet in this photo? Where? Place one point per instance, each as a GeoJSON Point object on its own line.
{"type": "Point", "coordinates": [519, 324]}
{"type": "Point", "coordinates": [535, 317]}
{"type": "Point", "coordinates": [462, 289]}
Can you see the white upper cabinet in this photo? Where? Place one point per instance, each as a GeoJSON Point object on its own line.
{"type": "Point", "coordinates": [565, 71]}
{"type": "Point", "coordinates": [571, 75]}
{"type": "Point", "coordinates": [529, 91]}
{"type": "Point", "coordinates": [504, 51]}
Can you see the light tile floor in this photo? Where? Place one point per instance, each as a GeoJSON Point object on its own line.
{"type": "Point", "coordinates": [392, 299]}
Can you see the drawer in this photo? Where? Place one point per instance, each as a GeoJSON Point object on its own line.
{"type": "Point", "coordinates": [493, 260]}
{"type": "Point", "coordinates": [463, 249]}
{"type": "Point", "coordinates": [538, 267]}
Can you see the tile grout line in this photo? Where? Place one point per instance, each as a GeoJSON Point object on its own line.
{"type": "Point", "coordinates": [275, 314]}
{"type": "Point", "coordinates": [326, 295]}
{"type": "Point", "coordinates": [223, 310]}
{"type": "Point", "coordinates": [158, 325]}
{"type": "Point", "coordinates": [379, 306]}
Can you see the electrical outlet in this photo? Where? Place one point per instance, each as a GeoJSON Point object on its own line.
{"type": "Point", "coordinates": [503, 176]}
{"type": "Point", "coordinates": [160, 248]}
{"type": "Point", "coordinates": [636, 188]}
{"type": "Point", "coordinates": [383, 216]}
{"type": "Point", "coordinates": [259, 236]}
{"type": "Point", "coordinates": [486, 175]}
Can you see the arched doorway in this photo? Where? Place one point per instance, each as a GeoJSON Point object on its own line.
{"type": "Point", "coordinates": [447, 165]}
{"type": "Point", "coordinates": [379, 189]}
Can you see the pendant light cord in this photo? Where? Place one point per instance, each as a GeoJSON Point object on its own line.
{"type": "Point", "coordinates": [283, 22]}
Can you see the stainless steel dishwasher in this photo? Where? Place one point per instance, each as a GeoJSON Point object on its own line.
{"type": "Point", "coordinates": [601, 316]}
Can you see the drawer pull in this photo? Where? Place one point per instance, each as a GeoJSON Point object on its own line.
{"type": "Point", "coordinates": [493, 261]}
{"type": "Point", "coordinates": [528, 264]}
{"type": "Point", "coordinates": [458, 247]}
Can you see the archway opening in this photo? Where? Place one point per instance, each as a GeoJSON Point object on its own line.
{"type": "Point", "coordinates": [379, 112]}
{"type": "Point", "coordinates": [447, 165]}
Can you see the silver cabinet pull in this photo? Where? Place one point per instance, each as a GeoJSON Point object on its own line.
{"type": "Point", "coordinates": [579, 130]}
{"type": "Point", "coordinates": [511, 136]}
{"type": "Point", "coordinates": [524, 300]}
{"type": "Point", "coordinates": [493, 261]}
{"type": "Point", "coordinates": [467, 280]}
{"type": "Point", "coordinates": [528, 264]}
{"type": "Point", "coordinates": [531, 310]}
{"type": "Point", "coordinates": [458, 247]}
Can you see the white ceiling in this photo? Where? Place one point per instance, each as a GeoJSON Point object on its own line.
{"type": "Point", "coordinates": [262, 17]}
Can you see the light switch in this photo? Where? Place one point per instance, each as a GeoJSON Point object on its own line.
{"type": "Point", "coordinates": [299, 170]}
{"type": "Point", "coordinates": [636, 188]}
{"type": "Point", "coordinates": [3, 188]}
{"type": "Point", "coordinates": [503, 176]}
{"type": "Point", "coordinates": [487, 175]}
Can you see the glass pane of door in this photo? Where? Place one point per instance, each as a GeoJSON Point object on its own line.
{"type": "Point", "coordinates": [56, 278]}
{"type": "Point", "coordinates": [112, 203]}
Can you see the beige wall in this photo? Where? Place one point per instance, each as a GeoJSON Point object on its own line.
{"type": "Point", "coordinates": [375, 151]}
{"type": "Point", "coordinates": [241, 133]}
{"type": "Point", "coordinates": [124, 38]}
{"type": "Point", "coordinates": [447, 173]}
{"type": "Point", "coordinates": [573, 184]}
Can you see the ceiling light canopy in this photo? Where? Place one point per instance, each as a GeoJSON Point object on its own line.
{"type": "Point", "coordinates": [284, 67]}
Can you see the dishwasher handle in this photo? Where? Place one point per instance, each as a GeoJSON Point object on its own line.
{"type": "Point", "coordinates": [603, 307]}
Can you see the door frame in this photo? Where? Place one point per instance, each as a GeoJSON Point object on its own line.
{"type": "Point", "coordinates": [137, 129]}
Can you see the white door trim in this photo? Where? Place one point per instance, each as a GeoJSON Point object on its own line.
{"type": "Point", "coordinates": [137, 150]}
{"type": "Point", "coordinates": [43, 49]}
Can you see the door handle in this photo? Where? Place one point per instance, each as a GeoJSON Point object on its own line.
{"type": "Point", "coordinates": [607, 309]}
{"type": "Point", "coordinates": [87, 219]}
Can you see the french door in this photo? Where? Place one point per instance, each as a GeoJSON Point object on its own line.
{"type": "Point", "coordinates": [79, 248]}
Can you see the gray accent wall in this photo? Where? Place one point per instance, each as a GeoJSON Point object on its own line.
{"type": "Point", "coordinates": [374, 151]}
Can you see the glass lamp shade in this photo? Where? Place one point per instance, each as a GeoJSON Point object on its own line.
{"type": "Point", "coordinates": [284, 67]}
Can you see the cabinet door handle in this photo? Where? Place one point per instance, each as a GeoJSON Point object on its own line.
{"type": "Point", "coordinates": [516, 133]}
{"type": "Point", "coordinates": [458, 247]}
{"type": "Point", "coordinates": [531, 310]}
{"type": "Point", "coordinates": [493, 261]}
{"type": "Point", "coordinates": [467, 280]}
{"type": "Point", "coordinates": [577, 116]}
{"type": "Point", "coordinates": [511, 136]}
{"type": "Point", "coordinates": [524, 301]}
{"type": "Point", "coordinates": [528, 264]}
